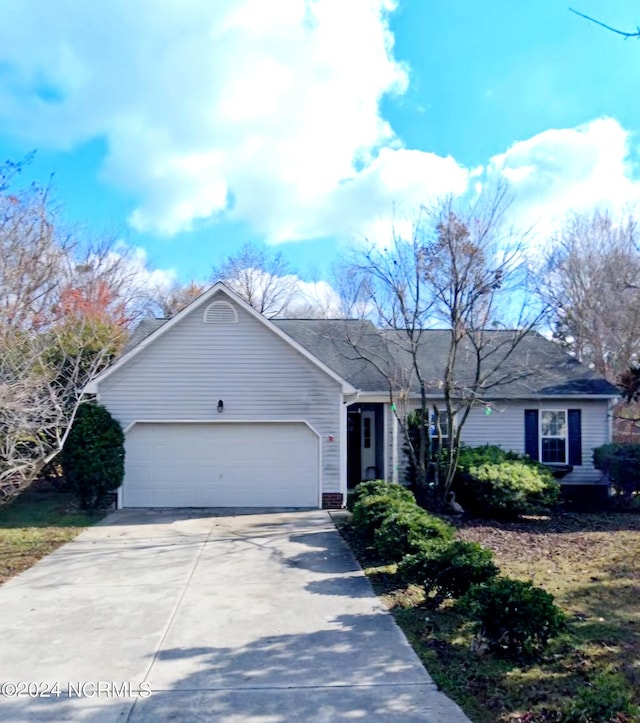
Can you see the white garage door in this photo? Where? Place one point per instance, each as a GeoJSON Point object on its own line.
{"type": "Point", "coordinates": [221, 465]}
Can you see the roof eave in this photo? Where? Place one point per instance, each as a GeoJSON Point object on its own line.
{"type": "Point", "coordinates": [363, 394]}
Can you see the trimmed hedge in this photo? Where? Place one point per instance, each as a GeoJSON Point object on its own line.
{"type": "Point", "coordinates": [492, 482]}
{"type": "Point", "coordinates": [379, 487]}
{"type": "Point", "coordinates": [449, 569]}
{"type": "Point", "coordinates": [406, 530]}
{"type": "Point", "coordinates": [369, 512]}
{"type": "Point", "coordinates": [621, 465]}
{"type": "Point", "coordinates": [514, 617]}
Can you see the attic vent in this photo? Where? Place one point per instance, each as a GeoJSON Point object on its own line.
{"type": "Point", "coordinates": [220, 312]}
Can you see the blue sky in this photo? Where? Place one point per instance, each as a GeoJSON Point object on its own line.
{"type": "Point", "coordinates": [193, 127]}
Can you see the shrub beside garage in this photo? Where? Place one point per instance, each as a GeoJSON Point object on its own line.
{"type": "Point", "coordinates": [93, 455]}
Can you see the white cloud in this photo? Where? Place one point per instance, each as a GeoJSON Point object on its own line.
{"type": "Point", "coordinates": [551, 175]}
{"type": "Point", "coordinates": [142, 275]}
{"type": "Point", "coordinates": [569, 170]}
{"type": "Point", "coordinates": [315, 298]}
{"type": "Point", "coordinates": [391, 187]}
{"type": "Point", "coordinates": [264, 107]}
{"type": "Point", "coordinates": [267, 113]}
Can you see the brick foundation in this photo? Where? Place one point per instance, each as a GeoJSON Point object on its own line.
{"type": "Point", "coordinates": [332, 500]}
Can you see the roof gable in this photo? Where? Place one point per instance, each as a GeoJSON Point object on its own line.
{"type": "Point", "coordinates": [150, 330]}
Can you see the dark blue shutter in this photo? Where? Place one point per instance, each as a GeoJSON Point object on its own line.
{"type": "Point", "coordinates": [575, 435]}
{"type": "Point", "coordinates": [531, 433]}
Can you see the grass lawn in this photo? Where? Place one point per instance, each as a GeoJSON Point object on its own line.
{"type": "Point", "coordinates": [590, 563]}
{"type": "Point", "coordinates": [34, 524]}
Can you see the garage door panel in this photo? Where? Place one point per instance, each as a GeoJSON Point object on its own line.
{"type": "Point", "coordinates": [221, 465]}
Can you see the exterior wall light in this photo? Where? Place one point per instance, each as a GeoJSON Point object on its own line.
{"type": "Point", "coordinates": [220, 406]}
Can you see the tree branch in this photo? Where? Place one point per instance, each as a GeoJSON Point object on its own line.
{"type": "Point", "coordinates": [624, 34]}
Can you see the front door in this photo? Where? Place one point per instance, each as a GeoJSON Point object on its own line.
{"type": "Point", "coordinates": [368, 445]}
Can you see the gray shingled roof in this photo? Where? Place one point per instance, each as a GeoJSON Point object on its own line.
{"type": "Point", "coordinates": [536, 367]}
{"type": "Point", "coordinates": [144, 329]}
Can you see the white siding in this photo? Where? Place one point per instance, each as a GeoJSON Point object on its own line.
{"type": "Point", "coordinates": [183, 374]}
{"type": "Point", "coordinates": [505, 427]}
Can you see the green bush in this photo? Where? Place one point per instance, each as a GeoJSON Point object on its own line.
{"type": "Point", "coordinates": [380, 487]}
{"type": "Point", "coordinates": [370, 511]}
{"type": "Point", "coordinates": [607, 699]}
{"type": "Point", "coordinates": [621, 465]}
{"type": "Point", "coordinates": [492, 482]}
{"type": "Point", "coordinates": [514, 617]}
{"type": "Point", "coordinates": [449, 569]}
{"type": "Point", "coordinates": [93, 455]}
{"type": "Point", "coordinates": [406, 530]}
{"type": "Point", "coordinates": [487, 453]}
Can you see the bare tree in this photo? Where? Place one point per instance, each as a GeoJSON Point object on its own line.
{"type": "Point", "coordinates": [476, 272]}
{"type": "Point", "coordinates": [168, 302]}
{"type": "Point", "coordinates": [591, 283]}
{"type": "Point", "coordinates": [262, 277]}
{"type": "Point", "coordinates": [65, 305]}
{"type": "Point", "coordinates": [387, 286]}
{"type": "Point", "coordinates": [42, 380]}
{"type": "Point", "coordinates": [43, 265]}
{"type": "Point", "coordinates": [32, 258]}
{"type": "Point", "coordinates": [460, 270]}
{"type": "Point", "coordinates": [111, 272]}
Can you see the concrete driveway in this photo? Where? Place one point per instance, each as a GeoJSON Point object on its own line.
{"type": "Point", "coordinates": [207, 616]}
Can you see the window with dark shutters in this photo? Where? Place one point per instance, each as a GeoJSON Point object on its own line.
{"type": "Point", "coordinates": [531, 433]}
{"type": "Point", "coordinates": [575, 436]}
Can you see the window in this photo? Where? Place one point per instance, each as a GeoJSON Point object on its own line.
{"type": "Point", "coordinates": [444, 424]}
{"type": "Point", "coordinates": [553, 436]}
{"type": "Point", "coordinates": [366, 435]}
{"type": "Point", "coordinates": [562, 432]}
